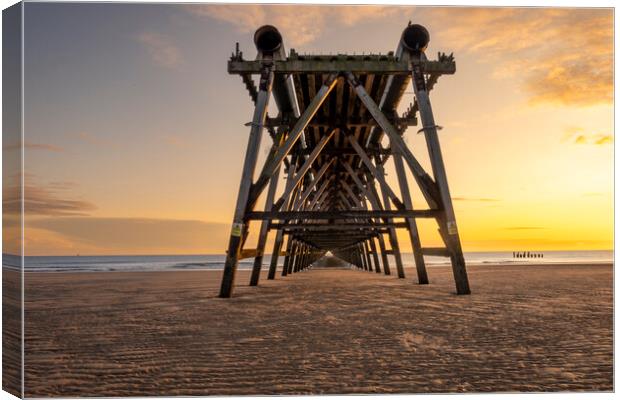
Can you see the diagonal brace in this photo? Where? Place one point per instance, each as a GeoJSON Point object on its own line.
{"type": "Point", "coordinates": [426, 183]}
{"type": "Point", "coordinates": [293, 136]}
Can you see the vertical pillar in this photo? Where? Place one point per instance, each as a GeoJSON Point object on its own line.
{"type": "Point", "coordinates": [367, 252]}
{"type": "Point", "coordinates": [412, 227]}
{"type": "Point", "coordinates": [448, 226]}
{"type": "Point", "coordinates": [392, 232]}
{"type": "Point", "coordinates": [275, 256]}
{"type": "Point", "coordinates": [293, 258]}
{"type": "Point", "coordinates": [365, 258]}
{"type": "Point", "coordinates": [264, 229]}
{"type": "Point", "coordinates": [306, 256]}
{"type": "Point", "coordinates": [358, 259]}
{"type": "Point", "coordinates": [384, 258]}
{"type": "Point", "coordinates": [249, 165]}
{"type": "Point", "coordinates": [287, 256]}
{"type": "Point", "coordinates": [300, 258]}
{"type": "Point", "coordinates": [375, 256]}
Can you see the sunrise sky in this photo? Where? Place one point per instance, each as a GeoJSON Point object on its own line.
{"type": "Point", "coordinates": [135, 132]}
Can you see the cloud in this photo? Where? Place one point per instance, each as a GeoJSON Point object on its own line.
{"type": "Point", "coordinates": [161, 49]}
{"type": "Point", "coordinates": [127, 235]}
{"type": "Point", "coordinates": [35, 146]}
{"type": "Point", "coordinates": [93, 139]}
{"type": "Point", "coordinates": [577, 135]}
{"type": "Point", "coordinates": [299, 24]}
{"type": "Point", "coordinates": [560, 55]}
{"type": "Point", "coordinates": [42, 199]}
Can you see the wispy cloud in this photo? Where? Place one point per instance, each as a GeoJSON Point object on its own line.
{"type": "Point", "coordinates": [300, 24]}
{"type": "Point", "coordinates": [90, 138]}
{"type": "Point", "coordinates": [578, 135]}
{"type": "Point", "coordinates": [560, 55]}
{"type": "Point", "coordinates": [161, 49]}
{"type": "Point", "coordinates": [40, 199]}
{"type": "Point", "coordinates": [35, 146]}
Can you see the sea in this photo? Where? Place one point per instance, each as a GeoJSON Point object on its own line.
{"type": "Point", "coordinates": [56, 264]}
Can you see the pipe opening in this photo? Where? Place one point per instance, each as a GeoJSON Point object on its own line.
{"type": "Point", "coordinates": [267, 39]}
{"type": "Point", "coordinates": [415, 38]}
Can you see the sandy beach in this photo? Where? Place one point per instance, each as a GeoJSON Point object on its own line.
{"type": "Point", "coordinates": [524, 328]}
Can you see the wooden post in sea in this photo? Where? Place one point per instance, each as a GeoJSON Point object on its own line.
{"type": "Point", "coordinates": [333, 114]}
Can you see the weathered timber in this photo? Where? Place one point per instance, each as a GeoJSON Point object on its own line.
{"type": "Point", "coordinates": [356, 65]}
{"type": "Point", "coordinates": [333, 114]}
{"type": "Point", "coordinates": [336, 215]}
{"type": "Point", "coordinates": [249, 164]}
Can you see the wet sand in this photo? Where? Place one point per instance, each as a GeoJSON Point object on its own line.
{"type": "Point", "coordinates": [524, 328]}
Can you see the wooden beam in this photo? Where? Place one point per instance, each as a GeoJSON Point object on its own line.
{"type": "Point", "coordinates": [338, 215]}
{"type": "Point", "coordinates": [447, 225]}
{"type": "Point", "coordinates": [356, 65]}
{"type": "Point", "coordinates": [239, 229]}
{"type": "Point", "coordinates": [426, 183]}
{"type": "Point", "coordinates": [304, 169]}
{"type": "Point", "coordinates": [293, 136]}
{"type": "Point", "coordinates": [354, 225]}
{"type": "Point", "coordinates": [373, 170]}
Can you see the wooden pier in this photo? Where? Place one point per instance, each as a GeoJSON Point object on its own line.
{"type": "Point", "coordinates": [333, 114]}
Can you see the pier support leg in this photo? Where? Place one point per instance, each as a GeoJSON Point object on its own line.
{"type": "Point", "coordinates": [287, 256]}
{"type": "Point", "coordinates": [392, 234]}
{"type": "Point", "coordinates": [293, 258]}
{"type": "Point", "coordinates": [375, 256]}
{"type": "Point", "coordinates": [275, 256]}
{"type": "Point", "coordinates": [264, 229]}
{"type": "Point", "coordinates": [384, 258]}
{"type": "Point", "coordinates": [249, 165]}
{"type": "Point", "coordinates": [448, 227]}
{"type": "Point", "coordinates": [412, 227]}
{"type": "Point", "coordinates": [367, 253]}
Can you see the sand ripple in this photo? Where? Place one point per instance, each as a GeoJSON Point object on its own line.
{"type": "Point", "coordinates": [546, 328]}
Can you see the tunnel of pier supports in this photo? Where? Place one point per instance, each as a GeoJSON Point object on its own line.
{"type": "Point", "coordinates": [334, 115]}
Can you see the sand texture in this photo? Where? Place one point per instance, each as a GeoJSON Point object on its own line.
{"type": "Point", "coordinates": [533, 328]}
{"type": "Point", "coordinates": [11, 332]}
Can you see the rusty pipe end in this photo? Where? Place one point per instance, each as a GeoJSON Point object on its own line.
{"type": "Point", "coordinates": [267, 39]}
{"type": "Point", "coordinates": [415, 38]}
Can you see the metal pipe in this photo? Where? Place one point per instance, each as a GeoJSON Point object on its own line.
{"type": "Point", "coordinates": [268, 41]}
{"type": "Point", "coordinates": [414, 38]}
